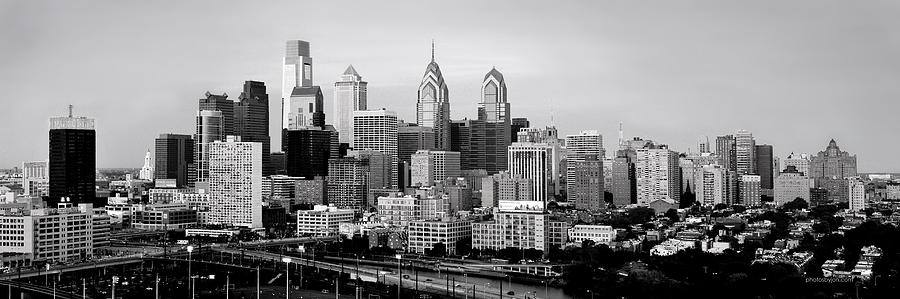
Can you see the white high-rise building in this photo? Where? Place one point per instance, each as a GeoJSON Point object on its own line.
{"type": "Point", "coordinates": [297, 67]}
{"type": "Point", "coordinates": [235, 183]}
{"type": "Point", "coordinates": [429, 166]}
{"type": "Point", "coordinates": [709, 184]}
{"type": "Point", "coordinates": [433, 105]}
{"type": "Point", "coordinates": [657, 175]}
{"type": "Point", "coordinates": [210, 128]}
{"type": "Point", "coordinates": [791, 184]}
{"type": "Point", "coordinates": [147, 170]}
{"type": "Point", "coordinates": [349, 95]}
{"type": "Point", "coordinates": [377, 130]}
{"type": "Point", "coordinates": [579, 146]}
{"type": "Point", "coordinates": [745, 152]}
{"type": "Point", "coordinates": [533, 161]}
{"type": "Point", "coordinates": [857, 194]}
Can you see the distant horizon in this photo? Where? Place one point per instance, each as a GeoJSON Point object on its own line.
{"type": "Point", "coordinates": [794, 74]}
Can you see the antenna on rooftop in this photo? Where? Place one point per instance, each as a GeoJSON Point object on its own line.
{"type": "Point", "coordinates": [70, 110]}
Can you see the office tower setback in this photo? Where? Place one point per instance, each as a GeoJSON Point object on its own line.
{"type": "Point", "coordinates": [578, 147]}
{"type": "Point", "coordinates": [433, 105]}
{"type": "Point", "coordinates": [251, 119]}
{"type": "Point", "coordinates": [832, 163]}
{"type": "Point", "coordinates": [491, 136]}
{"type": "Point", "coordinates": [709, 185]}
{"type": "Point", "coordinates": [175, 159]}
{"type": "Point", "coordinates": [210, 128]}
{"type": "Point", "coordinates": [297, 68]}
{"type": "Point", "coordinates": [657, 175]}
{"type": "Point", "coordinates": [587, 183]}
{"type": "Point", "coordinates": [429, 167]}
{"type": "Point", "coordinates": [745, 152]}
{"type": "Point", "coordinates": [377, 130]}
{"type": "Point", "coordinates": [349, 95]}
{"type": "Point", "coordinates": [533, 161]}
{"type": "Point", "coordinates": [214, 102]}
{"type": "Point", "coordinates": [307, 151]}
{"type": "Point", "coordinates": [518, 124]}
{"type": "Point", "coordinates": [765, 166]}
{"type": "Point", "coordinates": [235, 183]}
{"type": "Point", "coordinates": [72, 165]}
{"type": "Point", "coordinates": [304, 109]}
{"type": "Point", "coordinates": [35, 178]}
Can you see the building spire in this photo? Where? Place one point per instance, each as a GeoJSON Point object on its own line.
{"type": "Point", "coordinates": [621, 135]}
{"type": "Point", "coordinates": [70, 112]}
{"type": "Point", "coordinates": [432, 50]}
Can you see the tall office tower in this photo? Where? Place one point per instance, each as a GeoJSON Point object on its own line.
{"type": "Point", "coordinates": [657, 174]}
{"type": "Point", "coordinates": [235, 183]}
{"type": "Point", "coordinates": [214, 102]}
{"type": "Point", "coordinates": [518, 123]}
{"type": "Point", "coordinates": [349, 95]}
{"type": "Point", "coordinates": [764, 165]}
{"type": "Point", "coordinates": [725, 149]}
{"type": "Point", "coordinates": [495, 125]}
{"type": "Point", "coordinates": [744, 150]}
{"type": "Point", "coordinates": [550, 136]}
{"type": "Point", "coordinates": [251, 119]}
{"type": "Point", "coordinates": [72, 164]}
{"type": "Point", "coordinates": [303, 109]}
{"type": "Point", "coordinates": [297, 68]}
{"type": "Point", "coordinates": [703, 145]}
{"type": "Point", "coordinates": [791, 184]}
{"type": "Point", "coordinates": [377, 130]}
{"type": "Point", "coordinates": [461, 141]}
{"type": "Point", "coordinates": [335, 142]}
{"type": "Point", "coordinates": [210, 128]}
{"type": "Point", "coordinates": [709, 187]}
{"type": "Point", "coordinates": [587, 183]}
{"type": "Point", "coordinates": [623, 187]}
{"type": "Point", "coordinates": [35, 178]}
{"type": "Point", "coordinates": [579, 146]}
{"type": "Point", "coordinates": [430, 167]}
{"type": "Point", "coordinates": [750, 190]}
{"type": "Point", "coordinates": [412, 138]}
{"type": "Point", "coordinates": [857, 194]}
{"type": "Point", "coordinates": [533, 161]}
{"type": "Point", "coordinates": [347, 184]}
{"type": "Point", "coordinates": [146, 172]}
{"type": "Point", "coordinates": [307, 151]}
{"type": "Point", "coordinates": [832, 163]}
{"type": "Point", "coordinates": [433, 105]}
{"type": "Point", "coordinates": [175, 159]}
{"type": "Point", "coordinates": [378, 167]}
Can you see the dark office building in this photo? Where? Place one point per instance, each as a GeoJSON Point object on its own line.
{"type": "Point", "coordinates": [307, 152]}
{"type": "Point", "coordinates": [221, 103]}
{"type": "Point", "coordinates": [517, 124]}
{"type": "Point", "coordinates": [251, 120]}
{"type": "Point", "coordinates": [765, 165]}
{"type": "Point", "coordinates": [175, 159]}
{"type": "Point", "coordinates": [278, 163]}
{"type": "Point", "coordinates": [72, 165]}
{"type": "Point", "coordinates": [725, 149]}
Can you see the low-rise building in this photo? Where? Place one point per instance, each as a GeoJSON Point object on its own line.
{"type": "Point", "coordinates": [424, 234]}
{"type": "Point", "coordinates": [600, 234]}
{"type": "Point", "coordinates": [322, 220]}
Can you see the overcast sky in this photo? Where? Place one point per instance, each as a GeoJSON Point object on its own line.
{"type": "Point", "coordinates": [794, 73]}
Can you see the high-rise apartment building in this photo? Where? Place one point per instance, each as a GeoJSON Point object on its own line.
{"type": "Point", "coordinates": [657, 176]}
{"type": "Point", "coordinates": [587, 183]}
{"type": "Point", "coordinates": [857, 194]}
{"type": "Point", "coordinates": [175, 159]}
{"type": "Point", "coordinates": [578, 147]}
{"type": "Point", "coordinates": [791, 184]}
{"type": "Point", "coordinates": [210, 128]}
{"type": "Point", "coordinates": [377, 130]}
{"type": "Point", "coordinates": [709, 185]}
{"type": "Point", "coordinates": [251, 119]}
{"type": "Point", "coordinates": [349, 95]}
{"type": "Point", "coordinates": [533, 161]}
{"type": "Point", "coordinates": [73, 160]}
{"type": "Point", "coordinates": [433, 105]}
{"type": "Point", "coordinates": [745, 152]}
{"type": "Point", "coordinates": [725, 150]}
{"type": "Point", "coordinates": [423, 235]}
{"type": "Point", "coordinates": [750, 190]}
{"type": "Point", "coordinates": [429, 167]}
{"type": "Point", "coordinates": [235, 183]}
{"type": "Point", "coordinates": [347, 183]}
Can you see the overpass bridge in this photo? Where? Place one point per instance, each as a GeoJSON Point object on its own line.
{"type": "Point", "coordinates": [23, 288]}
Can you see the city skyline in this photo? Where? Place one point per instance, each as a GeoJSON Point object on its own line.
{"type": "Point", "coordinates": [767, 70]}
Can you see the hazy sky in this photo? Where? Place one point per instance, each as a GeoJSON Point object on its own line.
{"type": "Point", "coordinates": [795, 73]}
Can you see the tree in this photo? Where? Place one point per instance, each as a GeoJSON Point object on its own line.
{"type": "Point", "coordinates": [464, 246]}
{"type": "Point", "coordinates": [672, 214]}
{"type": "Point", "coordinates": [687, 198]}
{"type": "Point", "coordinates": [796, 204]}
{"type": "Point", "coordinates": [439, 249]}
{"type": "Point", "coordinates": [640, 215]}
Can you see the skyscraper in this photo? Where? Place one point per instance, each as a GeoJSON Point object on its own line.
{"type": "Point", "coordinates": [73, 160]}
{"type": "Point", "coordinates": [251, 119]}
{"type": "Point", "coordinates": [412, 138]}
{"type": "Point", "coordinates": [347, 183]}
{"type": "Point", "coordinates": [518, 123]}
{"type": "Point", "coordinates": [297, 68]}
{"type": "Point", "coordinates": [745, 152]}
{"type": "Point", "coordinates": [832, 163]}
{"type": "Point", "coordinates": [533, 161]}
{"type": "Point", "coordinates": [349, 95]}
{"type": "Point", "coordinates": [307, 152]}
{"type": "Point", "coordinates": [433, 105]}
{"type": "Point", "coordinates": [791, 184]}
{"type": "Point", "coordinates": [175, 159]}
{"type": "Point", "coordinates": [214, 102]}
{"type": "Point", "coordinates": [235, 183]}
{"type": "Point", "coordinates": [303, 109]}
{"type": "Point", "coordinates": [428, 167]}
{"type": "Point", "coordinates": [725, 149]}
{"type": "Point", "coordinates": [657, 176]}
{"type": "Point", "coordinates": [210, 128]}
{"type": "Point", "coordinates": [765, 165]}
{"type": "Point", "coordinates": [587, 183]}
{"type": "Point", "coordinates": [578, 146]}
{"type": "Point", "coordinates": [709, 185]}
{"type": "Point", "coordinates": [489, 144]}
{"type": "Point", "coordinates": [750, 190]}
{"type": "Point", "coordinates": [377, 130]}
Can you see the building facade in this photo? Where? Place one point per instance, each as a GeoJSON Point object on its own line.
{"type": "Point", "coordinates": [350, 94]}
{"type": "Point", "coordinates": [72, 167]}
{"type": "Point", "coordinates": [235, 183]}
{"type": "Point", "coordinates": [377, 130]}
{"type": "Point", "coordinates": [175, 159]}
{"type": "Point", "coordinates": [433, 105]}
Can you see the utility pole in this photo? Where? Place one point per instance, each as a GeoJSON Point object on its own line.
{"type": "Point", "coordinates": [157, 286]}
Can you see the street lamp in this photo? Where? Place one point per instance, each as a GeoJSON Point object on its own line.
{"type": "Point", "coordinates": [287, 278]}
{"type": "Point", "coordinates": [302, 250]}
{"type": "Point", "coordinates": [399, 274]}
{"type": "Point", "coordinates": [190, 277]}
